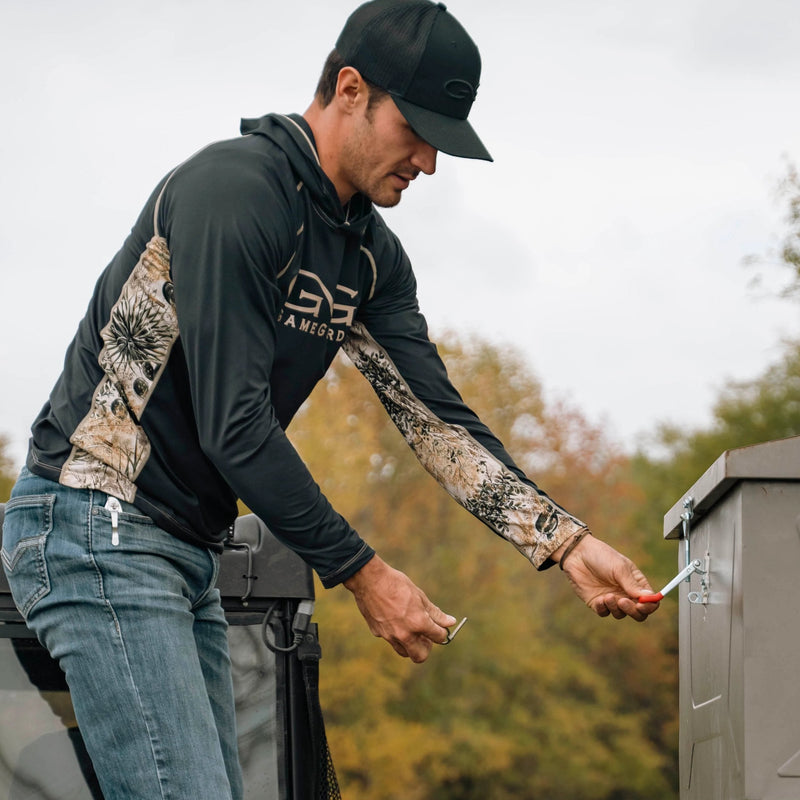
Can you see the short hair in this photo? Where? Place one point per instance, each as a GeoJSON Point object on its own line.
{"type": "Point", "coordinates": [326, 87]}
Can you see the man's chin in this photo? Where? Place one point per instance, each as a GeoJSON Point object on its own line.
{"type": "Point", "coordinates": [387, 199]}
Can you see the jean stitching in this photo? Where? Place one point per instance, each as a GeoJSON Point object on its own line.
{"type": "Point", "coordinates": [44, 501]}
{"type": "Point", "coordinates": [127, 516]}
{"type": "Point", "coordinates": [212, 583]}
{"type": "Point", "coordinates": [10, 558]}
{"type": "Point", "coordinates": [118, 628]}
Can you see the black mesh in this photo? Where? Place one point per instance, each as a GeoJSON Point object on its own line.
{"type": "Point", "coordinates": [412, 26]}
{"type": "Point", "coordinates": [328, 786]}
{"type": "Point", "coordinates": [363, 41]}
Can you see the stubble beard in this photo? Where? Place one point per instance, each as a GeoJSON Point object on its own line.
{"type": "Point", "coordinates": [376, 188]}
{"type": "Point", "coordinates": [362, 171]}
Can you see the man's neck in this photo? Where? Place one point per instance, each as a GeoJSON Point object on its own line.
{"type": "Point", "coordinates": [327, 138]}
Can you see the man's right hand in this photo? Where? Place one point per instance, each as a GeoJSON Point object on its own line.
{"type": "Point", "coordinates": [397, 610]}
{"type": "Point", "coordinates": [607, 581]}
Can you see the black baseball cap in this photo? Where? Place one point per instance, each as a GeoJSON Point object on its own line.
{"type": "Point", "coordinates": [422, 56]}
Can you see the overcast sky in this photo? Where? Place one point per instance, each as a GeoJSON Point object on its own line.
{"type": "Point", "coordinates": [637, 149]}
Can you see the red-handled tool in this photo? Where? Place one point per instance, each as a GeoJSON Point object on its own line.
{"type": "Point", "coordinates": [682, 575]}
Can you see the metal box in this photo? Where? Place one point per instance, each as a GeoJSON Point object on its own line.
{"type": "Point", "coordinates": [740, 627]}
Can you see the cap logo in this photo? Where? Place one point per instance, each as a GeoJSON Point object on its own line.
{"type": "Point", "coordinates": [459, 89]}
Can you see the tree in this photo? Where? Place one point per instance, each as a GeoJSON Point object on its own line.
{"type": "Point", "coordinates": [746, 412]}
{"type": "Point", "coordinates": [790, 247]}
{"type": "Point", "coordinates": [7, 475]}
{"type": "Point", "coordinates": [537, 697]}
{"type": "Point", "coordinates": [788, 251]}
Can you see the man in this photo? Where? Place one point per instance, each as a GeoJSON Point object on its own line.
{"type": "Point", "coordinates": [250, 266]}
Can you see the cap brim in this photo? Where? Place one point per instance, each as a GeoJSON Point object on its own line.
{"type": "Point", "coordinates": [455, 137]}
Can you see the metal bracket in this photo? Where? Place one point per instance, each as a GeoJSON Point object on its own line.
{"type": "Point", "coordinates": [686, 524]}
{"type": "Point", "coordinates": [248, 575]}
{"type": "Point", "coordinates": [701, 597]}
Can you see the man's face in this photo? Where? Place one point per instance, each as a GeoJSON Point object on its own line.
{"type": "Point", "coordinates": [383, 154]}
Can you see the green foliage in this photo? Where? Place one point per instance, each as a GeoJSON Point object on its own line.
{"type": "Point", "coordinates": [537, 697]}
{"type": "Point", "coordinates": [787, 254]}
{"type": "Point", "coordinates": [745, 413]}
{"type": "Point", "coordinates": [790, 247]}
{"type": "Point", "coordinates": [748, 412]}
{"type": "Point", "coordinates": [7, 474]}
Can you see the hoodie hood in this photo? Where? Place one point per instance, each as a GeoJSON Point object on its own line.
{"type": "Point", "coordinates": [293, 135]}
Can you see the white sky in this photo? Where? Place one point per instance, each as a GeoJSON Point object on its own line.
{"type": "Point", "coordinates": [637, 148]}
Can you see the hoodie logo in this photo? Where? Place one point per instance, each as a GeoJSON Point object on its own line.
{"type": "Point", "coordinates": [314, 309]}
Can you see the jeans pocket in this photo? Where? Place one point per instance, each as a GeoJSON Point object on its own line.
{"type": "Point", "coordinates": [28, 522]}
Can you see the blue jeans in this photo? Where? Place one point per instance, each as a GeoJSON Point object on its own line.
{"type": "Point", "coordinates": [136, 623]}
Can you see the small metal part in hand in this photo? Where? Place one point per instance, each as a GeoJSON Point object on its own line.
{"type": "Point", "coordinates": [452, 634]}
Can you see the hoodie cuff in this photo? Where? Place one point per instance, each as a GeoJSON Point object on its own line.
{"type": "Point", "coordinates": [348, 569]}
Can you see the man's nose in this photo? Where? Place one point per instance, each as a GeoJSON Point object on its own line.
{"type": "Point", "coordinates": [425, 158]}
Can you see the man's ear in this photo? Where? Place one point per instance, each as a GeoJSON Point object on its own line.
{"type": "Point", "coordinates": [351, 90]}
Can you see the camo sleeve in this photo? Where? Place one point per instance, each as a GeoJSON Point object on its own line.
{"type": "Point", "coordinates": [477, 478]}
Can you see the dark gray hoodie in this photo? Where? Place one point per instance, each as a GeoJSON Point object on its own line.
{"type": "Point", "coordinates": [239, 283]}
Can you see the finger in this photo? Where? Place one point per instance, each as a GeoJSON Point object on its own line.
{"type": "Point", "coordinates": [399, 649]}
{"type": "Point", "coordinates": [436, 626]}
{"type": "Point", "coordinates": [599, 608]}
{"type": "Point", "coordinates": [411, 642]}
{"type": "Point", "coordinates": [420, 649]}
{"type": "Point", "coordinates": [612, 603]}
{"type": "Point", "coordinates": [437, 634]}
{"type": "Point", "coordinates": [645, 609]}
{"type": "Point", "coordinates": [436, 614]}
{"type": "Point", "coordinates": [441, 637]}
{"type": "Point", "coordinates": [636, 584]}
{"type": "Point", "coordinates": [439, 616]}
{"type": "Point", "coordinates": [636, 611]}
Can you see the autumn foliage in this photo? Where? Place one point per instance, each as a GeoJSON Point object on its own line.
{"type": "Point", "coordinates": [537, 697]}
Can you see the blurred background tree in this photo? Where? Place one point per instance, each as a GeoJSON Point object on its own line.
{"type": "Point", "coordinates": [7, 471]}
{"type": "Point", "coordinates": [789, 191]}
{"type": "Point", "coordinates": [746, 412]}
{"type": "Point", "coordinates": [787, 254]}
{"type": "Point", "coordinates": [537, 697]}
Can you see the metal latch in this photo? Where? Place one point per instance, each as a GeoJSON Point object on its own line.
{"type": "Point", "coordinates": [692, 566]}
{"type": "Point", "coordinates": [684, 573]}
{"type": "Point", "coordinates": [686, 519]}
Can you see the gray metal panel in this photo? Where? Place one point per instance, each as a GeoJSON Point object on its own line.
{"type": "Point", "coordinates": [740, 651]}
{"type": "Point", "coordinates": [771, 638]}
{"type": "Point", "coordinates": [711, 745]}
{"type": "Point", "coordinates": [778, 460]}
